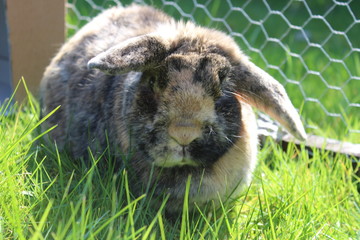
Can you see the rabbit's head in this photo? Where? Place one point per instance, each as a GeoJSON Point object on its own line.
{"type": "Point", "coordinates": [186, 109]}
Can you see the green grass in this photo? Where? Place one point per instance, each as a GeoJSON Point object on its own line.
{"type": "Point", "coordinates": [45, 194]}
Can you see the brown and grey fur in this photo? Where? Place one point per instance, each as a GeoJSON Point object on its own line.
{"type": "Point", "coordinates": [173, 94]}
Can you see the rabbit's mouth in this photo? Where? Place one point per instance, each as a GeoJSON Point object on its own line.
{"type": "Point", "coordinates": [175, 156]}
{"type": "Point", "coordinates": [175, 162]}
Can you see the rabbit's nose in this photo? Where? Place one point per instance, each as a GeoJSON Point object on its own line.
{"type": "Point", "coordinates": [184, 132]}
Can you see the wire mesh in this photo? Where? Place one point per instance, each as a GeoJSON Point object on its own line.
{"type": "Point", "coordinates": [311, 47]}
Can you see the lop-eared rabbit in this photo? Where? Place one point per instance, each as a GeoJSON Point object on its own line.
{"type": "Point", "coordinates": [174, 95]}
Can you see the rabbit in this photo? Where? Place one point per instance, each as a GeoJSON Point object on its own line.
{"type": "Point", "coordinates": [176, 96]}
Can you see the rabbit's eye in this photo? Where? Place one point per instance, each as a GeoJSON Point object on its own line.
{"type": "Point", "coordinates": [152, 81]}
{"type": "Point", "coordinates": [222, 73]}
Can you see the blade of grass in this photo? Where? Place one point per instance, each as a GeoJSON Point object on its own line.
{"type": "Point", "coordinates": [39, 227]}
{"type": "Point", "coordinates": [272, 228]}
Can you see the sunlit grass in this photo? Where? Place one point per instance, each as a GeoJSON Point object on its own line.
{"type": "Point", "coordinates": [44, 194]}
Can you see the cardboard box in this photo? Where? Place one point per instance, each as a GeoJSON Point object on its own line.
{"type": "Point", "coordinates": [35, 31]}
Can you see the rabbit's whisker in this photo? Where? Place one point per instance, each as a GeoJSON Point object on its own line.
{"type": "Point", "coordinates": [237, 95]}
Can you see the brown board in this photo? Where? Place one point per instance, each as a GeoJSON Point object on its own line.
{"type": "Point", "coordinates": [36, 31]}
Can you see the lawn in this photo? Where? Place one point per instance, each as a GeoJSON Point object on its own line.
{"type": "Point", "coordinates": [44, 194]}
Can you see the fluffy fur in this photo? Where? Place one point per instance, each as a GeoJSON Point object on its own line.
{"type": "Point", "coordinates": [173, 94]}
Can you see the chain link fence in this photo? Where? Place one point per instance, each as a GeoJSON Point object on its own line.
{"type": "Point", "coordinates": [311, 47]}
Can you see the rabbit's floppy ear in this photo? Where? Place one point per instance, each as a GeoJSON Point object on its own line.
{"type": "Point", "coordinates": [136, 53]}
{"type": "Point", "coordinates": [262, 91]}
